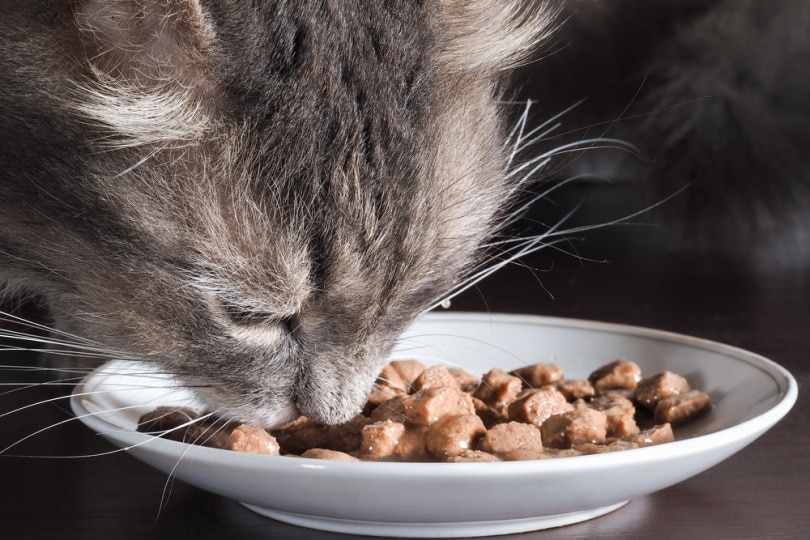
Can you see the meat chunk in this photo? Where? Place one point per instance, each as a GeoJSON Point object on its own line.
{"type": "Point", "coordinates": [429, 405]}
{"type": "Point", "coordinates": [620, 413]}
{"type": "Point", "coordinates": [380, 439]}
{"type": "Point", "coordinates": [411, 445]}
{"type": "Point", "coordinates": [612, 446]}
{"type": "Point", "coordinates": [435, 377]}
{"type": "Point", "coordinates": [681, 408]}
{"type": "Point", "coordinates": [452, 435]}
{"type": "Point", "coordinates": [389, 377]}
{"type": "Point", "coordinates": [511, 436]}
{"type": "Point", "coordinates": [252, 439]}
{"type": "Point", "coordinates": [656, 435]}
{"type": "Point", "coordinates": [579, 426]}
{"type": "Point", "coordinates": [389, 384]}
{"type": "Point", "coordinates": [170, 422]}
{"type": "Point", "coordinates": [537, 375]}
{"type": "Point", "coordinates": [471, 456]}
{"type": "Point", "coordinates": [393, 409]}
{"type": "Point", "coordinates": [526, 455]}
{"type": "Point", "coordinates": [302, 434]}
{"type": "Point", "coordinates": [381, 394]}
{"type": "Point", "coordinates": [347, 437]}
{"type": "Point", "coordinates": [653, 389]}
{"type": "Point", "coordinates": [323, 453]}
{"type": "Point", "coordinates": [534, 406]}
{"type": "Point", "coordinates": [574, 389]}
{"type": "Point", "coordinates": [187, 426]}
{"type": "Point", "coordinates": [498, 389]}
{"type": "Point", "coordinates": [408, 370]}
{"type": "Point", "coordinates": [489, 415]}
{"type": "Point", "coordinates": [298, 436]}
{"type": "Point", "coordinates": [620, 373]}
{"type": "Point", "coordinates": [466, 380]}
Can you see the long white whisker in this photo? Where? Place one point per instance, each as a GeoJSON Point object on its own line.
{"type": "Point", "coordinates": [519, 127]}
{"type": "Point", "coordinates": [618, 221]}
{"type": "Point", "coordinates": [576, 145]}
{"type": "Point", "coordinates": [517, 213]}
{"type": "Point", "coordinates": [543, 129]}
{"type": "Point", "coordinates": [9, 317]}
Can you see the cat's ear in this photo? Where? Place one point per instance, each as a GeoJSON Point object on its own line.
{"type": "Point", "coordinates": [149, 65]}
{"type": "Point", "coordinates": [492, 35]}
{"type": "Point", "coordinates": [145, 41]}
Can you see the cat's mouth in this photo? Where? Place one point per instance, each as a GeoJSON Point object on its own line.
{"type": "Point", "coordinates": [268, 414]}
{"type": "Point", "coordinates": [331, 396]}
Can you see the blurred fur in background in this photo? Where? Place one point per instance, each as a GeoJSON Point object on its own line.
{"type": "Point", "coordinates": [715, 95]}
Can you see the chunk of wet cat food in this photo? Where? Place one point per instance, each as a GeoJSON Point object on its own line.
{"type": "Point", "coordinates": [347, 437]}
{"type": "Point", "coordinates": [535, 406]}
{"type": "Point", "coordinates": [489, 415]}
{"type": "Point", "coordinates": [411, 445]}
{"type": "Point", "coordinates": [389, 384]}
{"type": "Point", "coordinates": [618, 374]}
{"type": "Point", "coordinates": [187, 426]}
{"type": "Point", "coordinates": [408, 370]}
{"type": "Point", "coordinates": [510, 437]}
{"type": "Point", "coordinates": [300, 435]}
{"type": "Point", "coordinates": [578, 426]}
{"type": "Point", "coordinates": [682, 408]}
{"type": "Point", "coordinates": [434, 377]}
{"type": "Point", "coordinates": [466, 380]}
{"type": "Point", "coordinates": [574, 389]}
{"type": "Point", "coordinates": [537, 375]}
{"type": "Point", "coordinates": [380, 439]}
{"type": "Point", "coordinates": [659, 434]}
{"type": "Point", "coordinates": [429, 405]}
{"type": "Point", "coordinates": [612, 446]}
{"type": "Point", "coordinates": [381, 394]}
{"type": "Point", "coordinates": [167, 421]}
{"type": "Point", "coordinates": [473, 456]}
{"type": "Point", "coordinates": [526, 455]}
{"type": "Point", "coordinates": [323, 453]}
{"type": "Point", "coordinates": [619, 411]}
{"type": "Point", "coordinates": [498, 388]}
{"type": "Point", "coordinates": [452, 435]}
{"type": "Point", "coordinates": [389, 377]}
{"type": "Point", "coordinates": [393, 409]}
{"type": "Point", "coordinates": [653, 389]}
{"type": "Point", "coordinates": [252, 439]}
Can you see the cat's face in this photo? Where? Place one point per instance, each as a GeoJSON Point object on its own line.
{"type": "Point", "coordinates": [259, 199]}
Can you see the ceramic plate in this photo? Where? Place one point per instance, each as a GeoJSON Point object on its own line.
{"type": "Point", "coordinates": [750, 394]}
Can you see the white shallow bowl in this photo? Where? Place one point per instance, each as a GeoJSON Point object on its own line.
{"type": "Point", "coordinates": [750, 394]}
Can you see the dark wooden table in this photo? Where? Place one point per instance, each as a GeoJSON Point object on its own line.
{"type": "Point", "coordinates": [764, 491]}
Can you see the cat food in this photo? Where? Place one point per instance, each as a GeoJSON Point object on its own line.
{"type": "Point", "coordinates": [186, 425]}
{"type": "Point", "coordinates": [419, 413]}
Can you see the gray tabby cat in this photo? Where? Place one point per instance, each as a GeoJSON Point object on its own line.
{"type": "Point", "coordinates": [256, 196]}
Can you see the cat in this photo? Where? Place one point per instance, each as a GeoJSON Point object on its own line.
{"type": "Point", "coordinates": [257, 197]}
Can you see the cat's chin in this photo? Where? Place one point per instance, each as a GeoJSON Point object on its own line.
{"type": "Point", "coordinates": [266, 416]}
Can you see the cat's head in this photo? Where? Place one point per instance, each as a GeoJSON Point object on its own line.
{"type": "Point", "coordinates": [259, 197]}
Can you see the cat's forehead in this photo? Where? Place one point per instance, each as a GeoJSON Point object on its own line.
{"type": "Point", "coordinates": [275, 140]}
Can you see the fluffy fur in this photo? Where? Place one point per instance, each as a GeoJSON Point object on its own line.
{"type": "Point", "coordinates": [256, 196]}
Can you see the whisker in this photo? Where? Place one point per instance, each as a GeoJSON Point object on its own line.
{"type": "Point", "coordinates": [541, 131]}
{"type": "Point", "coordinates": [10, 317]}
